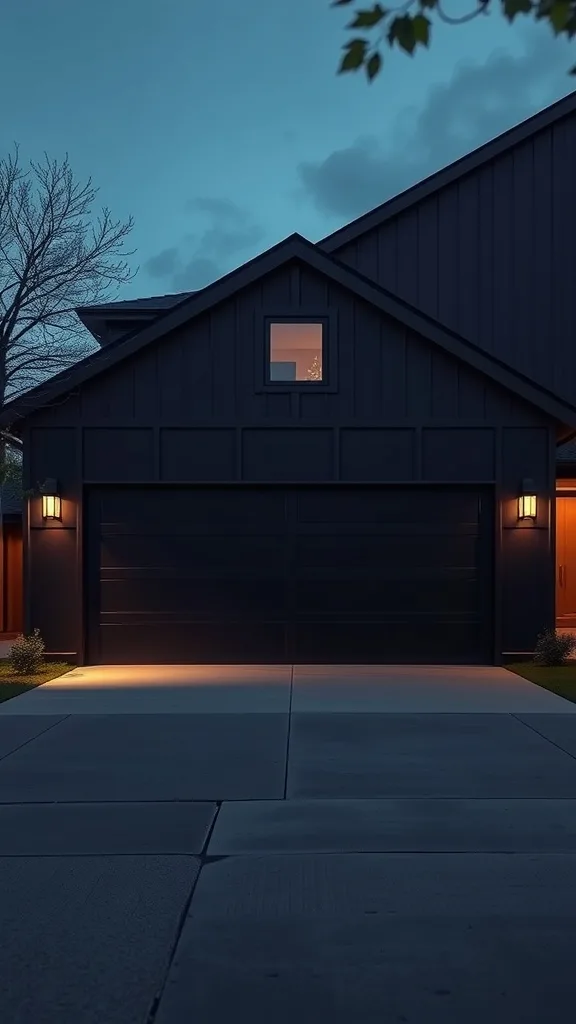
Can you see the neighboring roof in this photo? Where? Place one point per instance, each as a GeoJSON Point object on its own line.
{"type": "Point", "coordinates": [566, 452]}
{"type": "Point", "coordinates": [99, 318]}
{"type": "Point", "coordinates": [11, 498]}
{"type": "Point", "coordinates": [295, 247]}
{"type": "Point", "coordinates": [471, 162]}
{"type": "Point", "coordinates": [128, 305]}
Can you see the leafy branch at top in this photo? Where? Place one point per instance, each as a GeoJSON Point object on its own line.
{"type": "Point", "coordinates": [397, 26]}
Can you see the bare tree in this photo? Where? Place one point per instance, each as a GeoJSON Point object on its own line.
{"type": "Point", "coordinates": [53, 258]}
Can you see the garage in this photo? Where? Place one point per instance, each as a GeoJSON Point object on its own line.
{"type": "Point", "coordinates": [253, 574]}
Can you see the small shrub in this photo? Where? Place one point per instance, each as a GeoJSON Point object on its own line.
{"type": "Point", "coordinates": [552, 648]}
{"type": "Point", "coordinates": [27, 653]}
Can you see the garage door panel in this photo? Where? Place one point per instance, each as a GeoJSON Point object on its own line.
{"type": "Point", "coordinates": [224, 597]}
{"type": "Point", "coordinates": [193, 555]}
{"type": "Point", "coordinates": [162, 507]}
{"type": "Point", "coordinates": [185, 642]}
{"type": "Point", "coordinates": [403, 551]}
{"type": "Point", "coordinates": [408, 642]}
{"type": "Point", "coordinates": [256, 574]}
{"type": "Point", "coordinates": [375, 599]}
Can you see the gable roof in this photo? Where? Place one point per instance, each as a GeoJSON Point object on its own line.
{"type": "Point", "coordinates": [293, 248]}
{"type": "Point", "coordinates": [465, 165]}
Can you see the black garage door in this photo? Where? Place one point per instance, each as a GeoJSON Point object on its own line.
{"type": "Point", "coordinates": [296, 575]}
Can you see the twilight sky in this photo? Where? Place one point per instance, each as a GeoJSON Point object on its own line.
{"type": "Point", "coordinates": [223, 132]}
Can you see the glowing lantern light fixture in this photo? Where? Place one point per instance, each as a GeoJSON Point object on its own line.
{"type": "Point", "coordinates": [527, 500]}
{"type": "Point", "coordinates": [51, 500]}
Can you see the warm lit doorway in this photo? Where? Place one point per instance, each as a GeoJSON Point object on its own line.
{"type": "Point", "coordinates": [566, 561]}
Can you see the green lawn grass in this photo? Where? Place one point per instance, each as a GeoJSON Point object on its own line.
{"type": "Point", "coordinates": [560, 680]}
{"type": "Point", "coordinates": [12, 684]}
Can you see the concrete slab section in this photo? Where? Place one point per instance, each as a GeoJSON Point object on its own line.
{"type": "Point", "coordinates": [143, 757]}
{"type": "Point", "coordinates": [426, 939]}
{"type": "Point", "coordinates": [159, 689]}
{"type": "Point", "coordinates": [364, 826]}
{"type": "Point", "coordinates": [16, 731]}
{"type": "Point", "coordinates": [42, 830]}
{"type": "Point", "coordinates": [420, 688]}
{"type": "Point", "coordinates": [88, 939]}
{"type": "Point", "coordinates": [557, 729]}
{"type": "Point", "coordinates": [395, 755]}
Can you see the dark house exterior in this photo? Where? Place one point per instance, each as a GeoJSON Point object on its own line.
{"type": "Point", "coordinates": [341, 452]}
{"type": "Point", "coordinates": [11, 597]}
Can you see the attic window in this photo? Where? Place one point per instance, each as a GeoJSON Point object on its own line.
{"type": "Point", "coordinates": [296, 352]}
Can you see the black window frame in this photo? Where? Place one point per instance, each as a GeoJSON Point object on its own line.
{"type": "Point", "coordinates": [329, 364]}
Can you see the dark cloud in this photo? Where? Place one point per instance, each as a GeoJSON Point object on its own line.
{"type": "Point", "coordinates": [478, 103]}
{"type": "Point", "coordinates": [164, 264]}
{"type": "Point", "coordinates": [208, 253]}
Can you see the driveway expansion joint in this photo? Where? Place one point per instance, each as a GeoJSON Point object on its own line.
{"type": "Point", "coordinates": [547, 738]}
{"type": "Point", "coordinates": [203, 859]}
{"type": "Point", "coordinates": [35, 737]}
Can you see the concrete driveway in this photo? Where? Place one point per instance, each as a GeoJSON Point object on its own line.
{"type": "Point", "coordinates": [376, 844]}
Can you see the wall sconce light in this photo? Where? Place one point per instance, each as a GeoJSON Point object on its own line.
{"type": "Point", "coordinates": [527, 500]}
{"type": "Point", "coordinates": [51, 500]}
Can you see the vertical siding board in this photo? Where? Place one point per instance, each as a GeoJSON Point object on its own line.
{"type": "Point", "coordinates": [314, 290]}
{"type": "Point", "coordinates": [215, 362]}
{"type": "Point", "coordinates": [349, 255]}
{"type": "Point", "coordinates": [111, 397]}
{"type": "Point", "coordinates": [360, 357]}
{"type": "Point", "coordinates": [471, 394]}
{"type": "Point", "coordinates": [387, 256]}
{"type": "Point", "coordinates": [498, 405]}
{"type": "Point", "coordinates": [540, 300]}
{"type": "Point", "coordinates": [523, 267]}
{"type": "Point", "coordinates": [391, 371]}
{"type": "Point", "coordinates": [367, 255]}
{"type": "Point", "coordinates": [346, 340]}
{"type": "Point", "coordinates": [483, 331]}
{"type": "Point", "coordinates": [249, 343]}
{"type": "Point", "coordinates": [561, 308]}
{"type": "Point", "coordinates": [525, 452]}
{"type": "Point", "coordinates": [424, 257]}
{"type": "Point", "coordinates": [408, 246]}
{"type": "Point", "coordinates": [468, 268]}
{"type": "Point", "coordinates": [171, 380]}
{"type": "Point", "coordinates": [418, 379]}
{"type": "Point", "coordinates": [65, 413]}
{"type": "Point", "coordinates": [502, 256]}
{"type": "Point", "coordinates": [202, 379]}
{"type": "Point", "coordinates": [295, 297]}
{"type": "Point", "coordinates": [444, 403]}
{"type": "Point", "coordinates": [146, 393]}
{"type": "Point", "coordinates": [448, 255]}
{"type": "Point", "coordinates": [367, 363]}
{"type": "Point", "coordinates": [276, 289]}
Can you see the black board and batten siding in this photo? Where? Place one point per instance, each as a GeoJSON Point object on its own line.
{"type": "Point", "coordinates": [337, 502]}
{"type": "Point", "coordinates": [489, 255]}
